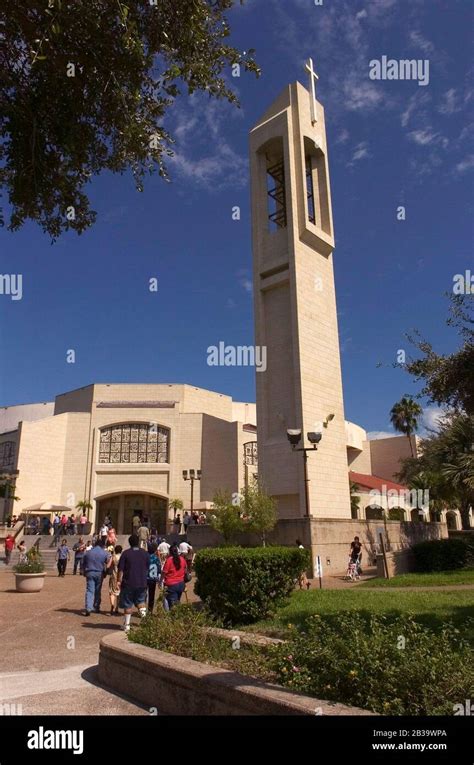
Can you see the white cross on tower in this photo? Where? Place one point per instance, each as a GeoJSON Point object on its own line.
{"type": "Point", "coordinates": [313, 77]}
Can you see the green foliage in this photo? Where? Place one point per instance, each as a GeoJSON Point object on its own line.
{"type": "Point", "coordinates": [183, 631]}
{"type": "Point", "coordinates": [355, 498]}
{"type": "Point", "coordinates": [86, 87]}
{"type": "Point", "coordinates": [447, 380]}
{"type": "Point", "coordinates": [84, 506]}
{"type": "Point", "coordinates": [34, 563]}
{"type": "Point", "coordinates": [259, 510]}
{"type": "Point", "coordinates": [404, 416]}
{"type": "Point", "coordinates": [242, 585]}
{"type": "Point", "coordinates": [391, 667]}
{"type": "Point", "coordinates": [446, 465]}
{"type": "Point", "coordinates": [225, 517]}
{"type": "Point", "coordinates": [176, 504]}
{"type": "Point", "coordinates": [440, 555]}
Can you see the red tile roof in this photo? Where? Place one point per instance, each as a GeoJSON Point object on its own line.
{"type": "Point", "coordinates": [374, 482]}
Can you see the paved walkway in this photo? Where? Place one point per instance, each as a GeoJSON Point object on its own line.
{"type": "Point", "coordinates": [50, 651]}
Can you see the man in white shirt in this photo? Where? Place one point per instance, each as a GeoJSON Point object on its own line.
{"type": "Point", "coordinates": [163, 549]}
{"type": "Point", "coordinates": [186, 551]}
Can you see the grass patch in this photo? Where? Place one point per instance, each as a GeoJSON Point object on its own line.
{"type": "Point", "coordinates": [432, 609]}
{"type": "Point", "coordinates": [438, 578]}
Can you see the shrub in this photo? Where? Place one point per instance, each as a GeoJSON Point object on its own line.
{"type": "Point", "coordinates": [33, 565]}
{"type": "Point", "coordinates": [182, 632]}
{"type": "Point", "coordinates": [440, 555]}
{"type": "Point", "coordinates": [391, 667]}
{"type": "Point", "coordinates": [243, 585]}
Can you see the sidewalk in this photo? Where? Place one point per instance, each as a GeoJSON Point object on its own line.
{"type": "Point", "coordinates": [50, 650]}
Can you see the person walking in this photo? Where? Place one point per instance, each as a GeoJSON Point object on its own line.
{"type": "Point", "coordinates": [62, 556]}
{"type": "Point", "coordinates": [82, 523]}
{"type": "Point", "coordinates": [96, 560]}
{"type": "Point", "coordinates": [9, 545]}
{"type": "Point", "coordinates": [103, 531]}
{"type": "Point", "coordinates": [163, 550]}
{"type": "Point", "coordinates": [355, 554]}
{"type": "Point", "coordinates": [111, 537]}
{"type": "Point", "coordinates": [177, 524]}
{"type": "Point", "coordinates": [79, 550]}
{"type": "Point", "coordinates": [136, 523]}
{"type": "Point", "coordinates": [45, 525]}
{"type": "Point", "coordinates": [174, 572]}
{"type": "Point", "coordinates": [56, 529]}
{"type": "Point", "coordinates": [154, 575]}
{"type": "Point", "coordinates": [187, 552]}
{"type": "Point", "coordinates": [143, 534]}
{"type": "Point", "coordinates": [186, 521]}
{"type": "Point", "coordinates": [22, 558]}
{"type": "Point", "coordinates": [133, 580]}
{"type": "Point", "coordinates": [114, 587]}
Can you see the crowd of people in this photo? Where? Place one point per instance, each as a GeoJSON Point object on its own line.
{"type": "Point", "coordinates": [134, 574]}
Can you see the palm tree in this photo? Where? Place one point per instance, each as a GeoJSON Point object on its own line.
{"type": "Point", "coordinates": [175, 505]}
{"type": "Point", "coordinates": [84, 506]}
{"type": "Point", "coordinates": [355, 498]}
{"type": "Point", "coordinates": [404, 417]}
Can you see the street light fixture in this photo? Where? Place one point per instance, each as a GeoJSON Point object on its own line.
{"type": "Point", "coordinates": [194, 475]}
{"type": "Point", "coordinates": [294, 437]}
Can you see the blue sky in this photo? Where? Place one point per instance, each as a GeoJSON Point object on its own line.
{"type": "Point", "coordinates": [391, 143]}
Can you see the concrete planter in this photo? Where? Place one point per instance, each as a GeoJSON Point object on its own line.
{"type": "Point", "coordinates": [29, 582]}
{"type": "Point", "coordinates": [174, 685]}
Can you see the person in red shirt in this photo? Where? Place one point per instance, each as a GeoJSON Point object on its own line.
{"type": "Point", "coordinates": [174, 571]}
{"type": "Point", "coordinates": [9, 545]}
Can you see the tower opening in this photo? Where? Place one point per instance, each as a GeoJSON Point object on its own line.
{"type": "Point", "coordinates": [276, 193]}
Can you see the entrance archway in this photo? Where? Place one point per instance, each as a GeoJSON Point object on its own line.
{"type": "Point", "coordinates": [122, 507]}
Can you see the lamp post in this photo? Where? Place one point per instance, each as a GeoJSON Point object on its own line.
{"type": "Point", "coordinates": [294, 437]}
{"type": "Point", "coordinates": [194, 475]}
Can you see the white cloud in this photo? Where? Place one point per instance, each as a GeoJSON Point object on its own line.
{"type": "Point", "coordinates": [361, 151]}
{"type": "Point", "coordinates": [428, 137]}
{"type": "Point", "coordinates": [449, 104]}
{"type": "Point", "coordinates": [418, 41]}
{"type": "Point", "coordinates": [431, 416]}
{"type": "Point", "coordinates": [466, 164]}
{"type": "Point", "coordinates": [203, 153]}
{"type": "Point", "coordinates": [362, 14]}
{"type": "Point", "coordinates": [375, 435]}
{"type": "Point", "coordinates": [245, 280]}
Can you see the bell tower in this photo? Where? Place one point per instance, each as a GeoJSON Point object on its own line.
{"type": "Point", "coordinates": [295, 307]}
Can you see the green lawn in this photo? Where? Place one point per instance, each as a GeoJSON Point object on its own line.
{"type": "Point", "coordinates": [461, 576]}
{"type": "Point", "coordinates": [430, 608]}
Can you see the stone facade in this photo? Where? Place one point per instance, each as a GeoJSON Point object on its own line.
{"type": "Point", "coordinates": [59, 458]}
{"type": "Point", "coordinates": [295, 309]}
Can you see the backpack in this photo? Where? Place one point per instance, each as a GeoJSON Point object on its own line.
{"type": "Point", "coordinates": [154, 568]}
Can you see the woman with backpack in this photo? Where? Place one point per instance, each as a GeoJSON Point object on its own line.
{"type": "Point", "coordinates": [174, 576]}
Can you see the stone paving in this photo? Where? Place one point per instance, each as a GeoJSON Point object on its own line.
{"type": "Point", "coordinates": [50, 650]}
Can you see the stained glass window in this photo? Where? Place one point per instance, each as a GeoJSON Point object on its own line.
{"type": "Point", "coordinates": [133, 443]}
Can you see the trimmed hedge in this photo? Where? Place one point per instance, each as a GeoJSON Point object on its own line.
{"type": "Point", "coordinates": [440, 555]}
{"type": "Point", "coordinates": [243, 585]}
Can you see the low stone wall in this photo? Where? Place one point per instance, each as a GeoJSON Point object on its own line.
{"type": "Point", "coordinates": [177, 686]}
{"type": "Point", "coordinates": [399, 562]}
{"type": "Point", "coordinates": [331, 538]}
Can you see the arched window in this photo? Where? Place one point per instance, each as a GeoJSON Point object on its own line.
{"type": "Point", "coordinates": [7, 454]}
{"type": "Point", "coordinates": [133, 442]}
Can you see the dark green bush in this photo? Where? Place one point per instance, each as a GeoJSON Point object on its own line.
{"type": "Point", "coordinates": [243, 585]}
{"type": "Point", "coordinates": [391, 667]}
{"type": "Point", "coordinates": [440, 555]}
